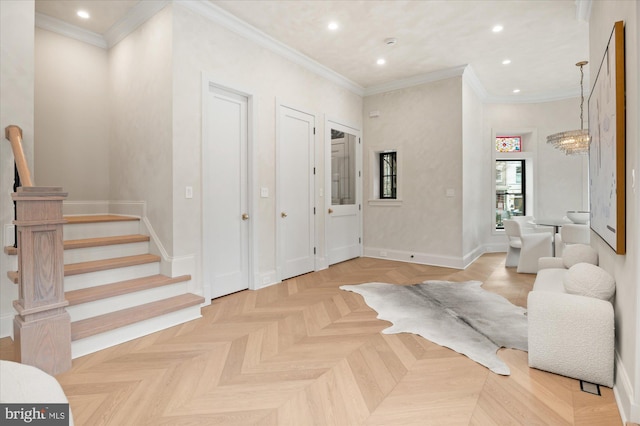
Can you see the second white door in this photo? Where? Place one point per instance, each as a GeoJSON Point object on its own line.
{"type": "Point", "coordinates": [295, 215]}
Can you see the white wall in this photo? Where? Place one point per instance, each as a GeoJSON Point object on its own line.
{"type": "Point", "coordinates": [16, 107]}
{"type": "Point", "coordinates": [425, 124]}
{"type": "Point", "coordinates": [71, 116]}
{"type": "Point", "coordinates": [141, 142]}
{"type": "Point", "coordinates": [201, 45]}
{"type": "Point", "coordinates": [624, 268]}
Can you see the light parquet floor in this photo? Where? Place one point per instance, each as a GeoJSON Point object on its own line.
{"type": "Point", "coordinates": [304, 352]}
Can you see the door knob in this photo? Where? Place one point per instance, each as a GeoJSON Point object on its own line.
{"type": "Point", "coordinates": [283, 214]}
{"type": "Point", "coordinates": [245, 216]}
{"type": "Point", "coordinates": [330, 211]}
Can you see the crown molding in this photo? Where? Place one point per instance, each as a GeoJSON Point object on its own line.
{"type": "Point", "coordinates": [55, 25]}
{"type": "Point", "coordinates": [415, 80]}
{"type": "Point", "coordinates": [583, 10]}
{"type": "Point", "coordinates": [225, 19]}
{"type": "Point", "coordinates": [470, 77]}
{"type": "Point", "coordinates": [535, 98]}
{"type": "Point", "coordinates": [138, 15]}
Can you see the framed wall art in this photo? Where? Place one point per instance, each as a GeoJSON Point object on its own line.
{"type": "Point", "coordinates": [607, 145]}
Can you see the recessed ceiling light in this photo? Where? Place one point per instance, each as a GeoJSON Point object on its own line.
{"type": "Point", "coordinates": [516, 90]}
{"type": "Point", "coordinates": [506, 62]}
{"type": "Point", "coordinates": [83, 14]}
{"type": "Point", "coordinates": [333, 25]}
{"type": "Point", "coordinates": [497, 28]}
{"type": "Point", "coordinates": [381, 61]}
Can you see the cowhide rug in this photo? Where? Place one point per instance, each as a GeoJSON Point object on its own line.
{"type": "Point", "coordinates": [459, 316]}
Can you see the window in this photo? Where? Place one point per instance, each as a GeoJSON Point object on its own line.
{"type": "Point", "coordinates": [510, 190]}
{"type": "Point", "coordinates": [388, 175]}
{"type": "Point", "coordinates": [509, 144]}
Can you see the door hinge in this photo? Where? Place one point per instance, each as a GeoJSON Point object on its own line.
{"type": "Point", "coordinates": [359, 173]}
{"type": "Point", "coordinates": [314, 250]}
{"type": "Point", "coordinates": [359, 206]}
{"type": "Point", "coordinates": [359, 140]}
{"type": "Point", "coordinates": [314, 130]}
{"type": "Point", "coordinates": [314, 170]}
{"type": "Point", "coordinates": [359, 240]}
{"type": "Point", "coordinates": [314, 210]}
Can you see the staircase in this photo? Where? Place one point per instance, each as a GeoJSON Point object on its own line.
{"type": "Point", "coordinates": [113, 284]}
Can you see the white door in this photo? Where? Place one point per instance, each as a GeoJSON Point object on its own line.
{"type": "Point", "coordinates": [225, 192]}
{"type": "Point", "coordinates": [344, 188]}
{"type": "Point", "coordinates": [295, 214]}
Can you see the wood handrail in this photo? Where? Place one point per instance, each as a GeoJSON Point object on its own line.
{"type": "Point", "coordinates": [14, 134]}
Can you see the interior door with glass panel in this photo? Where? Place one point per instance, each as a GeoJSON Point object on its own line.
{"type": "Point", "coordinates": [344, 189]}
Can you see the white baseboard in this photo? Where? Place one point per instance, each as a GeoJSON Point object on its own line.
{"type": "Point", "coordinates": [129, 208]}
{"type": "Point", "coordinates": [624, 393]}
{"type": "Point", "coordinates": [9, 235]}
{"type": "Point", "coordinates": [322, 263]}
{"type": "Point", "coordinates": [6, 325]}
{"type": "Point", "coordinates": [85, 207]}
{"type": "Point", "coordinates": [413, 257]}
{"type": "Point", "coordinates": [265, 279]}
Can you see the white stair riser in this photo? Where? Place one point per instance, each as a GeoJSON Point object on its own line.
{"type": "Point", "coordinates": [92, 279]}
{"type": "Point", "coordinates": [124, 301]}
{"type": "Point", "coordinates": [105, 252]}
{"type": "Point", "coordinates": [78, 231]}
{"type": "Point", "coordinates": [124, 334]}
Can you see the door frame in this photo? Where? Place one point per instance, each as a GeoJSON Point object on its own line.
{"type": "Point", "coordinates": [328, 121]}
{"type": "Point", "coordinates": [278, 228]}
{"type": "Point", "coordinates": [253, 276]}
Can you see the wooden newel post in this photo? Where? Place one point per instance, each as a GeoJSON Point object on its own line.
{"type": "Point", "coordinates": [42, 327]}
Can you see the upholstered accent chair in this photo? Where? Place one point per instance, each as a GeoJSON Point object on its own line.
{"type": "Point", "coordinates": [526, 248]}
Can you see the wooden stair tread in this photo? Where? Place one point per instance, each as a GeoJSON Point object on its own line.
{"type": "Point", "coordinates": [91, 294]}
{"type": "Point", "coordinates": [99, 218]}
{"type": "Point", "coordinates": [102, 323]}
{"type": "Point", "coordinates": [100, 265]}
{"type": "Point", "coordinates": [113, 263]}
{"type": "Point", "coordinates": [93, 242]}
{"type": "Point", "coordinates": [105, 241]}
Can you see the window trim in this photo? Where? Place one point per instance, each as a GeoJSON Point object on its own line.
{"type": "Point", "coordinates": [373, 177]}
{"type": "Point", "coordinates": [393, 155]}
{"type": "Point", "coordinates": [529, 153]}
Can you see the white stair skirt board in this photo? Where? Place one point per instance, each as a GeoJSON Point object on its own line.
{"type": "Point", "coordinates": [124, 301]}
{"type": "Point", "coordinates": [78, 231]}
{"type": "Point", "coordinates": [133, 331]}
{"type": "Point", "coordinates": [88, 254]}
{"type": "Point", "coordinates": [92, 279]}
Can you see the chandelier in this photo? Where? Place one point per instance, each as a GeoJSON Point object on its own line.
{"type": "Point", "coordinates": [573, 141]}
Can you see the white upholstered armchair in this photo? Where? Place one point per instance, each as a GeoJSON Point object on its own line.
{"type": "Point", "coordinates": [526, 248]}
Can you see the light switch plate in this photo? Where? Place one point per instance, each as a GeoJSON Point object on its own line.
{"type": "Point", "coordinates": [264, 192]}
{"type": "Point", "coordinates": [188, 192]}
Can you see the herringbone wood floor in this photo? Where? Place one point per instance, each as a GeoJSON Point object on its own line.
{"type": "Point", "coordinates": [304, 352]}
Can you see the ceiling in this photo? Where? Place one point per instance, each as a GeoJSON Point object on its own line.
{"type": "Point", "coordinates": [544, 39]}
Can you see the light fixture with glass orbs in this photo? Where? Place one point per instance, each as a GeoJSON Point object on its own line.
{"type": "Point", "coordinates": [381, 61]}
{"type": "Point", "coordinates": [333, 25]}
{"type": "Point", "coordinates": [497, 28]}
{"type": "Point", "coordinates": [573, 141]}
{"type": "Point", "coordinates": [83, 14]}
